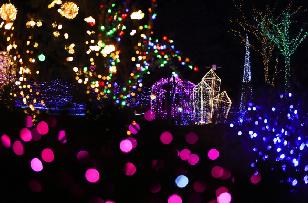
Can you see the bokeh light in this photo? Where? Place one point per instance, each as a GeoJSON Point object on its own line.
{"type": "Point", "coordinates": [199, 186]}
{"type": "Point", "coordinates": [213, 154]}
{"type": "Point", "coordinates": [130, 169]}
{"type": "Point", "coordinates": [126, 146]}
{"type": "Point", "coordinates": [191, 138]}
{"type": "Point", "coordinates": [83, 155]}
{"type": "Point", "coordinates": [42, 128]}
{"type": "Point", "coordinates": [48, 155]}
{"type": "Point", "coordinates": [256, 178]}
{"type": "Point", "coordinates": [36, 165]}
{"type": "Point", "coordinates": [134, 128]}
{"type": "Point", "coordinates": [149, 115]}
{"type": "Point", "coordinates": [92, 175]}
{"type": "Point", "coordinates": [174, 199]}
{"type": "Point", "coordinates": [166, 137]}
{"type": "Point", "coordinates": [217, 172]}
{"type": "Point", "coordinates": [25, 135]}
{"type": "Point", "coordinates": [224, 198]}
{"type": "Point", "coordinates": [185, 154]}
{"type": "Point", "coordinates": [193, 159]}
{"type": "Point", "coordinates": [181, 181]}
{"type": "Point", "coordinates": [6, 141]}
{"type": "Point", "coordinates": [18, 148]}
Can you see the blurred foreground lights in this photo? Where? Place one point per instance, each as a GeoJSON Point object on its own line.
{"type": "Point", "coordinates": [25, 135]}
{"type": "Point", "coordinates": [191, 138]}
{"type": "Point", "coordinates": [217, 172]}
{"type": "Point", "coordinates": [255, 178]}
{"type": "Point", "coordinates": [134, 128]}
{"type": "Point", "coordinates": [181, 181]}
{"type": "Point", "coordinates": [36, 165]}
{"type": "Point", "coordinates": [174, 199]}
{"type": "Point", "coordinates": [48, 155]}
{"type": "Point", "coordinates": [138, 15]}
{"type": "Point", "coordinates": [18, 148]}
{"type": "Point", "coordinates": [193, 159]}
{"type": "Point", "coordinates": [149, 116]}
{"type": "Point", "coordinates": [224, 198]}
{"type": "Point", "coordinates": [213, 154]}
{"type": "Point", "coordinates": [6, 141]}
{"type": "Point", "coordinates": [130, 169]}
{"type": "Point", "coordinates": [82, 155]}
{"type": "Point", "coordinates": [166, 138]}
{"type": "Point", "coordinates": [126, 146]}
{"type": "Point", "coordinates": [8, 12]}
{"type": "Point", "coordinates": [42, 128]}
{"type": "Point", "coordinates": [92, 175]}
{"type": "Point", "coordinates": [185, 154]}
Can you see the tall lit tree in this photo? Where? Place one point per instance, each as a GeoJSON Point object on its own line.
{"type": "Point", "coordinates": [278, 30]}
{"type": "Point", "coordinates": [248, 21]}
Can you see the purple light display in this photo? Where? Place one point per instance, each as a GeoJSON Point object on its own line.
{"type": "Point", "coordinates": [170, 99]}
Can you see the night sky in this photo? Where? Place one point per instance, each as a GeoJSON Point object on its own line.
{"type": "Point", "coordinates": [200, 29]}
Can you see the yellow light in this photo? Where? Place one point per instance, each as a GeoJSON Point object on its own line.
{"type": "Point", "coordinates": [8, 12]}
{"type": "Point", "coordinates": [138, 15]}
{"type": "Point", "coordinates": [69, 10]}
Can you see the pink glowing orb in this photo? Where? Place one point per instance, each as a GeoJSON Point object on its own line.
{"type": "Point", "coordinates": [213, 154]}
{"type": "Point", "coordinates": [192, 138]}
{"type": "Point", "coordinates": [36, 165]}
{"type": "Point", "coordinates": [62, 136]}
{"type": "Point", "coordinates": [42, 128]}
{"type": "Point", "coordinates": [133, 141]}
{"type": "Point", "coordinates": [199, 186]}
{"type": "Point", "coordinates": [221, 190]}
{"type": "Point", "coordinates": [18, 148]}
{"type": "Point", "coordinates": [193, 159]}
{"type": "Point", "coordinates": [149, 116]}
{"type": "Point", "coordinates": [35, 186]}
{"type": "Point", "coordinates": [48, 155]}
{"type": "Point", "coordinates": [174, 199]}
{"type": "Point", "coordinates": [126, 146]}
{"type": "Point", "coordinates": [134, 128]}
{"type": "Point", "coordinates": [110, 201]}
{"type": "Point", "coordinates": [82, 155]}
{"type": "Point", "coordinates": [256, 178]}
{"type": "Point", "coordinates": [224, 198]}
{"type": "Point", "coordinates": [185, 154]}
{"type": "Point", "coordinates": [29, 122]}
{"type": "Point", "coordinates": [92, 175]}
{"type": "Point", "coordinates": [25, 135]}
{"type": "Point", "coordinates": [6, 141]}
{"type": "Point", "coordinates": [130, 169]}
{"type": "Point", "coordinates": [166, 137]}
{"type": "Point", "coordinates": [217, 172]}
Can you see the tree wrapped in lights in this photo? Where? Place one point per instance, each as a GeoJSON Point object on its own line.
{"type": "Point", "coordinates": [170, 99]}
{"type": "Point", "coordinates": [208, 102]}
{"type": "Point", "coordinates": [278, 30]}
{"type": "Point", "coordinates": [248, 22]}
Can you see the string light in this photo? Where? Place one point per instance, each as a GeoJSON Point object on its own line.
{"type": "Point", "coordinates": [278, 32]}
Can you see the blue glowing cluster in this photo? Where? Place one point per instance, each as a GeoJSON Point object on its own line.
{"type": "Point", "coordinates": [278, 135]}
{"type": "Point", "coordinates": [54, 97]}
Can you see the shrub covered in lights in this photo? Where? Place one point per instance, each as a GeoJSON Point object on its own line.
{"type": "Point", "coordinates": [278, 135]}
